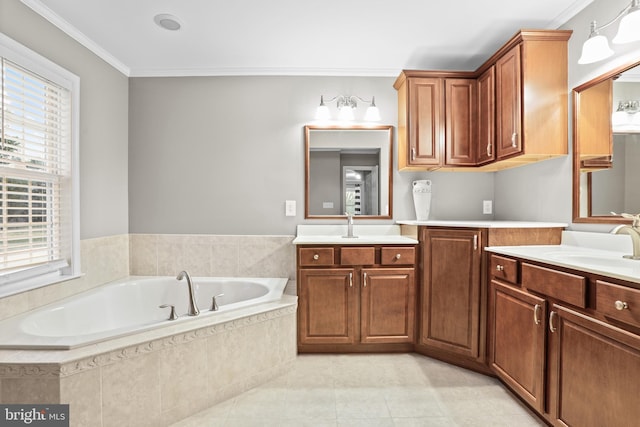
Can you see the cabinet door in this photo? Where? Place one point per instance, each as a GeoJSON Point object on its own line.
{"type": "Point", "coordinates": [461, 115]}
{"type": "Point", "coordinates": [327, 310]}
{"type": "Point", "coordinates": [509, 104]}
{"type": "Point", "coordinates": [594, 372]}
{"type": "Point", "coordinates": [517, 349]}
{"type": "Point", "coordinates": [387, 301]}
{"type": "Point", "coordinates": [425, 121]}
{"type": "Point", "coordinates": [486, 116]}
{"type": "Point", "coordinates": [450, 317]}
{"type": "Point", "coordinates": [593, 121]}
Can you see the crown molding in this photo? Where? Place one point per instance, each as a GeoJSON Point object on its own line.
{"type": "Point", "coordinates": [41, 9]}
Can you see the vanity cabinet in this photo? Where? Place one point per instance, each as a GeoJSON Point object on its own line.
{"type": "Point", "coordinates": [356, 298]}
{"type": "Point", "coordinates": [436, 119]}
{"type": "Point", "coordinates": [453, 288]}
{"type": "Point", "coordinates": [447, 120]}
{"type": "Point", "coordinates": [564, 340]}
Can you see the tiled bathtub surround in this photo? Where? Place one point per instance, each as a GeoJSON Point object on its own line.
{"type": "Point", "coordinates": [212, 255]}
{"type": "Point", "coordinates": [151, 379]}
{"type": "Point", "coordinates": [103, 259]}
{"type": "Point", "coordinates": [154, 382]}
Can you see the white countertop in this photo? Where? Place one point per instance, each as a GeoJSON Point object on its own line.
{"type": "Point", "coordinates": [366, 235]}
{"type": "Point", "coordinates": [484, 224]}
{"type": "Point", "coordinates": [597, 253]}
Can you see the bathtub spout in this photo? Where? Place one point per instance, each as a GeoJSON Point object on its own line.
{"type": "Point", "coordinates": [193, 307]}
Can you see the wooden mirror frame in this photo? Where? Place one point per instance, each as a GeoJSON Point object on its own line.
{"type": "Point", "coordinates": [307, 133]}
{"type": "Point", "coordinates": [576, 150]}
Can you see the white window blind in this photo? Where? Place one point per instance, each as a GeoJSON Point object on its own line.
{"type": "Point", "coordinates": [35, 168]}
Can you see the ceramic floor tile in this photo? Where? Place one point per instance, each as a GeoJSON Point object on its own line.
{"type": "Point", "coordinates": [399, 390]}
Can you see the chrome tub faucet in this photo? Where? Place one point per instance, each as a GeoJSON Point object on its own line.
{"type": "Point", "coordinates": [193, 307]}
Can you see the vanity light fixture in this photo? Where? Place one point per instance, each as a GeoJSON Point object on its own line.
{"type": "Point", "coordinates": [627, 117]}
{"type": "Point", "coordinates": [596, 47]}
{"type": "Point", "coordinates": [346, 105]}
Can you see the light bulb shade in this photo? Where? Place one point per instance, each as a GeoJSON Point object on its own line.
{"type": "Point", "coordinates": [595, 49]}
{"type": "Point", "coordinates": [345, 113]}
{"type": "Point", "coordinates": [322, 113]}
{"type": "Point", "coordinates": [629, 28]}
{"type": "Point", "coordinates": [372, 114]}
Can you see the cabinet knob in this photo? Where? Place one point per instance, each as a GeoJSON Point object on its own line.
{"type": "Point", "coordinates": [500, 267]}
{"type": "Point", "coordinates": [398, 256]}
{"type": "Point", "coordinates": [316, 257]}
{"type": "Point", "coordinates": [621, 305]}
{"type": "Point", "coordinates": [514, 139]}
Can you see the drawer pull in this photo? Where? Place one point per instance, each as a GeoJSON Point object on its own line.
{"type": "Point", "coordinates": [351, 280]}
{"type": "Point", "coordinates": [621, 305]}
{"type": "Point", "coordinates": [536, 319]}
{"type": "Point", "coordinates": [514, 139]}
{"type": "Point", "coordinates": [316, 257]}
{"type": "Point", "coordinates": [398, 256]}
{"type": "Point", "coordinates": [413, 153]}
{"type": "Point", "coordinates": [500, 267]}
{"type": "Point", "coordinates": [552, 316]}
{"type": "Point", "coordinates": [364, 281]}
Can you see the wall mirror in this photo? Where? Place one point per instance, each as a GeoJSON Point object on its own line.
{"type": "Point", "coordinates": [606, 146]}
{"type": "Point", "coordinates": [348, 169]}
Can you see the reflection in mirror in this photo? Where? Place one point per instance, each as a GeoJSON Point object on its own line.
{"type": "Point", "coordinates": [607, 147]}
{"type": "Point", "coordinates": [348, 170]}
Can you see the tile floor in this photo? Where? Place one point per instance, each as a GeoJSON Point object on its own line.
{"type": "Point", "coordinates": [371, 390]}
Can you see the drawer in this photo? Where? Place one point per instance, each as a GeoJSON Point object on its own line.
{"type": "Point", "coordinates": [504, 268]}
{"type": "Point", "coordinates": [357, 255]}
{"type": "Point", "coordinates": [316, 256]}
{"type": "Point", "coordinates": [566, 287]}
{"type": "Point", "coordinates": [397, 256]}
{"type": "Point", "coordinates": [618, 302]}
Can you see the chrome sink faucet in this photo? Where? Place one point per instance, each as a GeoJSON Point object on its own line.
{"type": "Point", "coordinates": [349, 226]}
{"type": "Point", "coordinates": [193, 307]}
{"type": "Point", "coordinates": [632, 230]}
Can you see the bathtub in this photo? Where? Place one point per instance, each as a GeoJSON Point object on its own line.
{"type": "Point", "coordinates": [130, 306]}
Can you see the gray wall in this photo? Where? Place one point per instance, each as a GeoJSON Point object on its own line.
{"type": "Point", "coordinates": [103, 118]}
{"type": "Point", "coordinates": [221, 155]}
{"type": "Point", "coordinates": [543, 191]}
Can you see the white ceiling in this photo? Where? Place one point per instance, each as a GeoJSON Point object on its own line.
{"type": "Point", "coordinates": [300, 37]}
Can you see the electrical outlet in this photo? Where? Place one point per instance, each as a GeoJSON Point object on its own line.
{"type": "Point", "coordinates": [487, 207]}
{"type": "Point", "coordinates": [290, 208]}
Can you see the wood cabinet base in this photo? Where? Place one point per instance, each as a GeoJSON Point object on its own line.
{"type": "Point", "coordinates": [355, 348]}
{"type": "Point", "coordinates": [454, 359]}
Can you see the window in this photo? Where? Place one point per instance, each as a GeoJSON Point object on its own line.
{"type": "Point", "coordinates": [38, 175]}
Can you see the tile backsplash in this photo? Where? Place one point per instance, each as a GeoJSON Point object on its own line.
{"type": "Point", "coordinates": [212, 255]}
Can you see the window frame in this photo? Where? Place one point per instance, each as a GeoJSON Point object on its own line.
{"type": "Point", "coordinates": [49, 273]}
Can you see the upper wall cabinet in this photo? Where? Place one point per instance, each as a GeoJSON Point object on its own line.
{"type": "Point", "coordinates": [509, 112]}
{"type": "Point", "coordinates": [436, 119]}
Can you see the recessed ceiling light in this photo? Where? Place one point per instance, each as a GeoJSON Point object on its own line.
{"type": "Point", "coordinates": [168, 22]}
